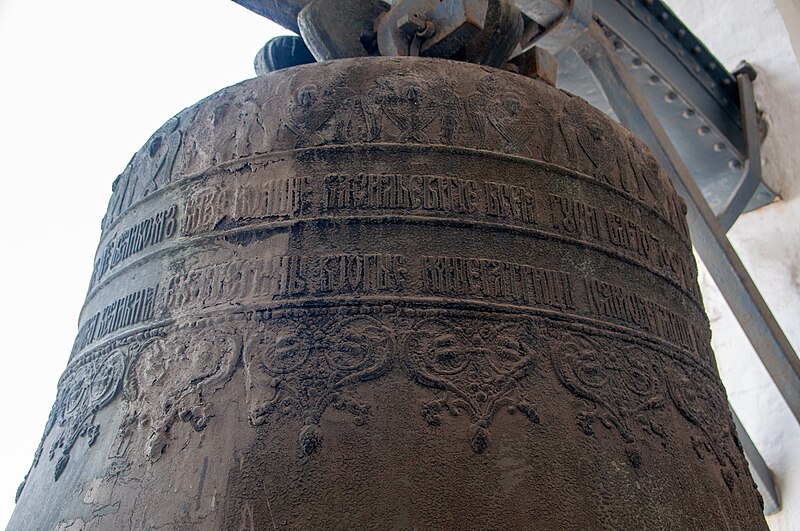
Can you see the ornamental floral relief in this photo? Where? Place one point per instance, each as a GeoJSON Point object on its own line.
{"type": "Point", "coordinates": [618, 382]}
{"type": "Point", "coordinates": [299, 368]}
{"type": "Point", "coordinates": [82, 393]}
{"type": "Point", "coordinates": [300, 363]}
{"type": "Point", "coordinates": [172, 381]}
{"type": "Point", "coordinates": [476, 369]}
{"type": "Point", "coordinates": [702, 403]}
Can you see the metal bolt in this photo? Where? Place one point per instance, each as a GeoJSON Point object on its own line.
{"type": "Point", "coordinates": [411, 23]}
{"type": "Point", "coordinates": [703, 130]}
{"type": "Point", "coordinates": [637, 62]}
{"type": "Point", "coordinates": [670, 97]}
{"type": "Point", "coordinates": [746, 69]}
{"type": "Point", "coordinates": [688, 113]}
{"type": "Point", "coordinates": [735, 164]}
{"type": "Point", "coordinates": [654, 79]}
{"type": "Point", "coordinates": [719, 147]}
{"type": "Point", "coordinates": [428, 31]}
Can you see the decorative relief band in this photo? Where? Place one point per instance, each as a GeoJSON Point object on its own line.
{"type": "Point", "coordinates": [249, 201]}
{"type": "Point", "coordinates": [626, 389]}
{"type": "Point", "coordinates": [401, 107]}
{"type": "Point", "coordinates": [298, 367]}
{"type": "Point", "coordinates": [623, 384]}
{"type": "Point", "coordinates": [81, 395]}
{"type": "Point", "coordinates": [713, 433]}
{"type": "Point", "coordinates": [262, 280]}
{"type": "Point", "coordinates": [298, 363]}
{"type": "Point", "coordinates": [151, 168]}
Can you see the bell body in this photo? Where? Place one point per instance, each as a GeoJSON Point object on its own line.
{"type": "Point", "coordinates": [391, 293]}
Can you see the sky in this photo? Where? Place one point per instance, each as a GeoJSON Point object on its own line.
{"type": "Point", "coordinates": [83, 85]}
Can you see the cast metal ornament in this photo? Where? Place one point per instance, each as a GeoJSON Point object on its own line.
{"type": "Point", "coordinates": [391, 292]}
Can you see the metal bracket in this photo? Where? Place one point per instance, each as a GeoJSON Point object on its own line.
{"type": "Point", "coordinates": [536, 63]}
{"type": "Point", "coordinates": [572, 24]}
{"type": "Point", "coordinates": [282, 52]}
{"type": "Point", "coordinates": [454, 23]}
{"type": "Point", "coordinates": [544, 12]}
{"type": "Point", "coordinates": [758, 468]}
{"type": "Point", "coordinates": [335, 29]}
{"type": "Point", "coordinates": [283, 12]}
{"type": "Point", "coordinates": [694, 96]}
{"type": "Point", "coordinates": [751, 174]}
{"type": "Point", "coordinates": [500, 35]}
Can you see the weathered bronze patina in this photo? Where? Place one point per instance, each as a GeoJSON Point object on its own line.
{"type": "Point", "coordinates": [391, 293]}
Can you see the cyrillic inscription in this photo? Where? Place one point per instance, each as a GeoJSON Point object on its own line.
{"type": "Point", "coordinates": [210, 207]}
{"type": "Point", "coordinates": [282, 277]}
{"type": "Point", "coordinates": [614, 302]}
{"type": "Point", "coordinates": [135, 308]}
{"type": "Point", "coordinates": [151, 231]}
{"type": "Point", "coordinates": [272, 277]}
{"type": "Point", "coordinates": [574, 218]}
{"type": "Point", "coordinates": [235, 204]}
{"type": "Point", "coordinates": [428, 192]}
{"type": "Point", "coordinates": [585, 222]}
{"type": "Point", "coordinates": [493, 279]}
{"type": "Point", "coordinates": [368, 273]}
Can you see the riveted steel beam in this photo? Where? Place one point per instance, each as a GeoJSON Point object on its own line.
{"type": "Point", "coordinates": [761, 473]}
{"type": "Point", "coordinates": [708, 235]}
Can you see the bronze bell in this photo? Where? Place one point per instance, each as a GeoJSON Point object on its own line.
{"type": "Point", "coordinates": [392, 293]}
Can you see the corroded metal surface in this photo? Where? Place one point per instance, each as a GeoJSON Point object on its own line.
{"type": "Point", "coordinates": [391, 293]}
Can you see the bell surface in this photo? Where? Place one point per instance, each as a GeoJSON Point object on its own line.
{"type": "Point", "coordinates": [392, 293]}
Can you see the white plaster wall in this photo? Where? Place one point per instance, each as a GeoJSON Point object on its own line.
{"type": "Point", "coordinates": [766, 33]}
